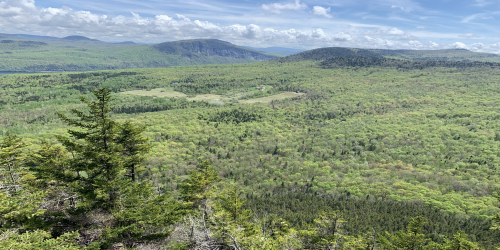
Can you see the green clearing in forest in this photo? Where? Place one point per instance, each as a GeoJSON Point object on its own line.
{"type": "Point", "coordinates": [167, 92]}
{"type": "Point", "coordinates": [268, 99]}
{"type": "Point", "coordinates": [157, 92]}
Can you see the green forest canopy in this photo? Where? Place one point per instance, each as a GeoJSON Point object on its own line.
{"type": "Point", "coordinates": [376, 131]}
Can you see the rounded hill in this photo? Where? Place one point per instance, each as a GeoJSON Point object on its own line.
{"type": "Point", "coordinates": [210, 47]}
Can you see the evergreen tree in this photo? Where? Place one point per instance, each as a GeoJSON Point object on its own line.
{"type": "Point", "coordinates": [110, 205]}
{"type": "Point", "coordinates": [412, 239]}
{"type": "Point", "coordinates": [97, 164]}
{"type": "Point", "coordinates": [11, 157]}
{"type": "Point", "coordinates": [459, 242]}
{"type": "Point", "coordinates": [326, 233]}
{"type": "Point", "coordinates": [197, 187]}
{"type": "Point", "coordinates": [135, 146]}
{"type": "Point", "coordinates": [38, 240]}
{"type": "Point", "coordinates": [19, 204]}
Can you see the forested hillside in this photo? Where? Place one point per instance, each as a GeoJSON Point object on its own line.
{"type": "Point", "coordinates": [78, 53]}
{"type": "Point", "coordinates": [389, 153]}
{"type": "Point", "coordinates": [446, 55]}
{"type": "Point", "coordinates": [440, 55]}
{"type": "Point", "coordinates": [21, 53]}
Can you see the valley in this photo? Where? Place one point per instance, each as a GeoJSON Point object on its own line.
{"type": "Point", "coordinates": [387, 133]}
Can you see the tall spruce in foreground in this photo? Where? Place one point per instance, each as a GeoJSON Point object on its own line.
{"type": "Point", "coordinates": [111, 206]}
{"type": "Point", "coordinates": [97, 163]}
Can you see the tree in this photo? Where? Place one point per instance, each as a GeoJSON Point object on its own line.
{"type": "Point", "coordinates": [326, 233]}
{"type": "Point", "coordinates": [459, 242]}
{"type": "Point", "coordinates": [11, 157]}
{"type": "Point", "coordinates": [38, 240]}
{"type": "Point", "coordinates": [97, 164]}
{"type": "Point", "coordinates": [200, 182]}
{"type": "Point", "coordinates": [110, 205]}
{"type": "Point", "coordinates": [412, 239]}
{"type": "Point", "coordinates": [135, 146]}
{"type": "Point", "coordinates": [19, 204]}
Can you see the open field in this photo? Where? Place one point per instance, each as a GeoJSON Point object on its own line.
{"type": "Point", "coordinates": [268, 99]}
{"type": "Point", "coordinates": [166, 92]}
{"type": "Point", "coordinates": [158, 92]}
{"type": "Point", "coordinates": [205, 97]}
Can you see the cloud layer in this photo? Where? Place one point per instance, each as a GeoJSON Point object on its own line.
{"type": "Point", "coordinates": [321, 11]}
{"type": "Point", "coordinates": [23, 16]}
{"type": "Point", "coordinates": [278, 8]}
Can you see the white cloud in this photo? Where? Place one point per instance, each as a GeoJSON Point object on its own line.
{"type": "Point", "coordinates": [469, 35]}
{"type": "Point", "coordinates": [395, 31]}
{"type": "Point", "coordinates": [459, 45]}
{"type": "Point", "coordinates": [390, 32]}
{"type": "Point", "coordinates": [483, 16]}
{"type": "Point", "coordinates": [22, 16]}
{"type": "Point", "coordinates": [403, 5]}
{"type": "Point", "coordinates": [321, 11]}
{"type": "Point", "coordinates": [10, 8]}
{"type": "Point", "coordinates": [278, 8]}
{"type": "Point", "coordinates": [403, 8]}
{"type": "Point", "coordinates": [482, 3]}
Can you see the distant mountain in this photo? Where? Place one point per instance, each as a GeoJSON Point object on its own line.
{"type": "Point", "coordinates": [126, 43]}
{"type": "Point", "coordinates": [456, 55]}
{"type": "Point", "coordinates": [278, 50]}
{"type": "Point", "coordinates": [210, 47]}
{"type": "Point", "coordinates": [78, 38]}
{"type": "Point", "coordinates": [36, 37]}
{"type": "Point", "coordinates": [440, 55]}
{"type": "Point", "coordinates": [12, 44]}
{"type": "Point", "coordinates": [327, 53]}
{"type": "Point", "coordinates": [80, 53]}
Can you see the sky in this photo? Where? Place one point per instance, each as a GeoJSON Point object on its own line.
{"type": "Point", "coordinates": [305, 24]}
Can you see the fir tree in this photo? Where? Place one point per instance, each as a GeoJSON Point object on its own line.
{"type": "Point", "coordinates": [110, 204]}
{"type": "Point", "coordinates": [135, 146]}
{"type": "Point", "coordinates": [412, 239]}
{"type": "Point", "coordinates": [97, 164]}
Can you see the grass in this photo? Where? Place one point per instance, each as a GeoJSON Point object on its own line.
{"type": "Point", "coordinates": [166, 92]}
{"type": "Point", "coordinates": [268, 99]}
{"type": "Point", "coordinates": [158, 92]}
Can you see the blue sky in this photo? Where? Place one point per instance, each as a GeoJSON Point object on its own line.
{"type": "Point", "coordinates": [387, 24]}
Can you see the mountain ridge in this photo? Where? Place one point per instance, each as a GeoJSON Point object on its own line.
{"type": "Point", "coordinates": [210, 47]}
{"type": "Point", "coordinates": [459, 55]}
{"type": "Point", "coordinates": [80, 53]}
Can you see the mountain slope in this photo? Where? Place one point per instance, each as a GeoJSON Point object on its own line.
{"type": "Point", "coordinates": [440, 55]}
{"type": "Point", "coordinates": [327, 53]}
{"type": "Point", "coordinates": [79, 53]}
{"type": "Point", "coordinates": [458, 55]}
{"type": "Point", "coordinates": [210, 47]}
{"type": "Point", "coordinates": [278, 50]}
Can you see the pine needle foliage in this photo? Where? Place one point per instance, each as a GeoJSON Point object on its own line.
{"type": "Point", "coordinates": [103, 158]}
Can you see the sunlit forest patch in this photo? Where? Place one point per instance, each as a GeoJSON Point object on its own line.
{"type": "Point", "coordinates": [271, 98]}
{"type": "Point", "coordinates": [400, 136]}
{"type": "Point", "coordinates": [157, 92]}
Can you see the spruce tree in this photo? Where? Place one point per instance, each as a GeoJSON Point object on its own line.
{"type": "Point", "coordinates": [12, 170]}
{"type": "Point", "coordinates": [197, 187]}
{"type": "Point", "coordinates": [412, 239]}
{"type": "Point", "coordinates": [97, 164]}
{"type": "Point", "coordinates": [135, 146]}
{"type": "Point", "coordinates": [103, 155]}
{"type": "Point", "coordinates": [19, 204]}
